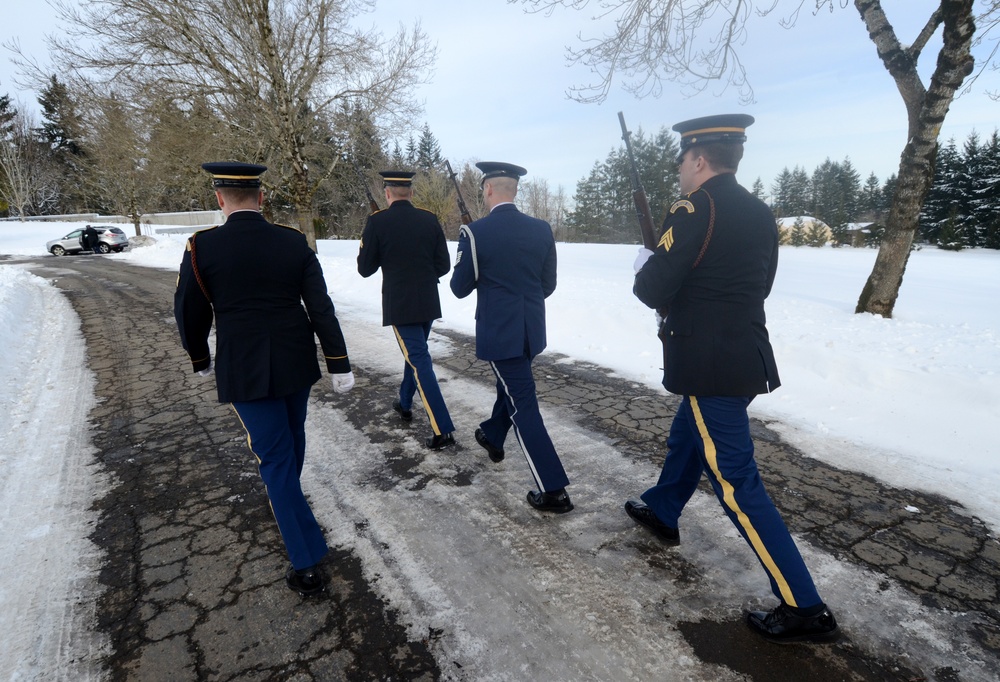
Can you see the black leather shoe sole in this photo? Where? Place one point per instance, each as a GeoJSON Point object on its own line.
{"type": "Point", "coordinates": [557, 504]}
{"type": "Point", "coordinates": [645, 516]}
{"type": "Point", "coordinates": [405, 415]}
{"type": "Point", "coordinates": [496, 454]}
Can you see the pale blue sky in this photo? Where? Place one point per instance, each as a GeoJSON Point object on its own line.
{"type": "Point", "coordinates": [498, 90]}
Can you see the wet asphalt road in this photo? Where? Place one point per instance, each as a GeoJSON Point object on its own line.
{"type": "Point", "coordinates": [192, 581]}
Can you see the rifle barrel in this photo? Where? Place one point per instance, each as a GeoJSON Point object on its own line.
{"type": "Point", "coordinates": [462, 208]}
{"type": "Point", "coordinates": [642, 211]}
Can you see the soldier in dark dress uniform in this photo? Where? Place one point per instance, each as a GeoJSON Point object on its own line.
{"type": "Point", "coordinates": [509, 260]}
{"type": "Point", "coordinates": [409, 245]}
{"type": "Point", "coordinates": [711, 271]}
{"type": "Point", "coordinates": [264, 287]}
{"type": "Point", "coordinates": [89, 238]}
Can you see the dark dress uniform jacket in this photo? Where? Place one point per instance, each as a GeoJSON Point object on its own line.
{"type": "Point", "coordinates": [715, 341]}
{"type": "Point", "coordinates": [517, 272]}
{"type": "Point", "coordinates": [255, 277]}
{"type": "Point", "coordinates": [409, 245]}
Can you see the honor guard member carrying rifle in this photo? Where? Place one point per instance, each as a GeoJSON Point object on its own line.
{"type": "Point", "coordinates": [409, 245]}
{"type": "Point", "coordinates": [711, 271]}
{"type": "Point", "coordinates": [509, 259]}
{"type": "Point", "coordinates": [264, 287]}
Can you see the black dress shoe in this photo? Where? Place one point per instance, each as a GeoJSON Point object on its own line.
{"type": "Point", "coordinates": [440, 441]}
{"type": "Point", "coordinates": [556, 501]}
{"type": "Point", "coordinates": [496, 454]}
{"type": "Point", "coordinates": [648, 518]}
{"type": "Point", "coordinates": [307, 581]}
{"type": "Point", "coordinates": [782, 625]}
{"type": "Point", "coordinates": [405, 415]}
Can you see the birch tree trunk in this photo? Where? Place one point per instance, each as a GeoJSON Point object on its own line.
{"type": "Point", "coordinates": [926, 110]}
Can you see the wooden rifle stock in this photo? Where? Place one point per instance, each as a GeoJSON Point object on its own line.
{"type": "Point", "coordinates": [372, 204]}
{"type": "Point", "coordinates": [642, 212]}
{"type": "Point", "coordinates": [462, 208]}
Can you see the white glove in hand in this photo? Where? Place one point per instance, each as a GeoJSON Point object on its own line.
{"type": "Point", "coordinates": [641, 259]}
{"type": "Point", "coordinates": [342, 383]}
{"type": "Point", "coordinates": [659, 321]}
{"type": "Point", "coordinates": [208, 371]}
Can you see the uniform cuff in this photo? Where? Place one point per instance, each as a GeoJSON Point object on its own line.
{"type": "Point", "coordinates": [338, 365]}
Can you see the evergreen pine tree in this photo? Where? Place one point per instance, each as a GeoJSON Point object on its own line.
{"type": "Point", "coordinates": [62, 132]}
{"type": "Point", "coordinates": [798, 235]}
{"type": "Point", "coordinates": [428, 151]}
{"type": "Point", "coordinates": [950, 236]}
{"type": "Point", "coordinates": [584, 222]}
{"type": "Point", "coordinates": [971, 185]}
{"type": "Point", "coordinates": [62, 125]}
{"type": "Point", "coordinates": [411, 152]}
{"type": "Point", "coordinates": [989, 198]}
{"type": "Point", "coordinates": [605, 211]}
{"type": "Point", "coordinates": [7, 114]}
{"type": "Point", "coordinates": [816, 234]}
{"type": "Point", "coordinates": [397, 159]}
{"type": "Point", "coordinates": [870, 200]}
{"type": "Point", "coordinates": [781, 194]}
{"type": "Point", "coordinates": [825, 202]}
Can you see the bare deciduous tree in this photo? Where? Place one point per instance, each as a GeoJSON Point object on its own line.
{"type": "Point", "coordinates": [23, 183]}
{"type": "Point", "coordinates": [537, 199]}
{"type": "Point", "coordinates": [696, 41]}
{"type": "Point", "coordinates": [268, 67]}
{"type": "Point", "coordinates": [116, 151]}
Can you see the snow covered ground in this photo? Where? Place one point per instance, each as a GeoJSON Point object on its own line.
{"type": "Point", "coordinates": [912, 401]}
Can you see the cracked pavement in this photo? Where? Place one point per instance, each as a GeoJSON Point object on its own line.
{"type": "Point", "coordinates": [193, 573]}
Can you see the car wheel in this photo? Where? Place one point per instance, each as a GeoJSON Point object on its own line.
{"type": "Point", "coordinates": [103, 248]}
{"type": "Point", "coordinates": [58, 251]}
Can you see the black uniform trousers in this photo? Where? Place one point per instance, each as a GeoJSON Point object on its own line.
{"type": "Point", "coordinates": [276, 434]}
{"type": "Point", "coordinates": [712, 434]}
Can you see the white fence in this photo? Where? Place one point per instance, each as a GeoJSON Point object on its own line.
{"type": "Point", "coordinates": [150, 224]}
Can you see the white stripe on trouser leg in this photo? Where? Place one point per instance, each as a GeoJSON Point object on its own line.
{"type": "Point", "coordinates": [517, 431]}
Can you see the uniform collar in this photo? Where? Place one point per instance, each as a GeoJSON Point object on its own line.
{"type": "Point", "coordinates": [717, 181]}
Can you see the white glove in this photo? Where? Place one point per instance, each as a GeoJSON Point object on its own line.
{"type": "Point", "coordinates": [641, 259]}
{"type": "Point", "coordinates": [342, 383]}
{"type": "Point", "coordinates": [659, 320]}
{"type": "Point", "coordinates": [208, 371]}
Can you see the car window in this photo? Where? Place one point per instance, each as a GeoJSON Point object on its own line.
{"type": "Point", "coordinates": [74, 233]}
{"type": "Point", "coordinates": [116, 230]}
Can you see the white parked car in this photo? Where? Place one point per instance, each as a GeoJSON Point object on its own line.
{"type": "Point", "coordinates": [109, 238]}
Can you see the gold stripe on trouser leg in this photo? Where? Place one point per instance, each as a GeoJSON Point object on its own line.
{"type": "Point", "coordinates": [255, 456]}
{"type": "Point", "coordinates": [416, 377]}
{"type": "Point", "coordinates": [729, 497]}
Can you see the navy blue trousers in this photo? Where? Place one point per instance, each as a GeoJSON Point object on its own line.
{"type": "Point", "coordinates": [712, 435]}
{"type": "Point", "coordinates": [517, 405]}
{"type": "Point", "coordinates": [418, 375]}
{"type": "Point", "coordinates": [276, 434]}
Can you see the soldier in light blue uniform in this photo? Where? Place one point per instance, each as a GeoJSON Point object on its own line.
{"type": "Point", "coordinates": [509, 259]}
